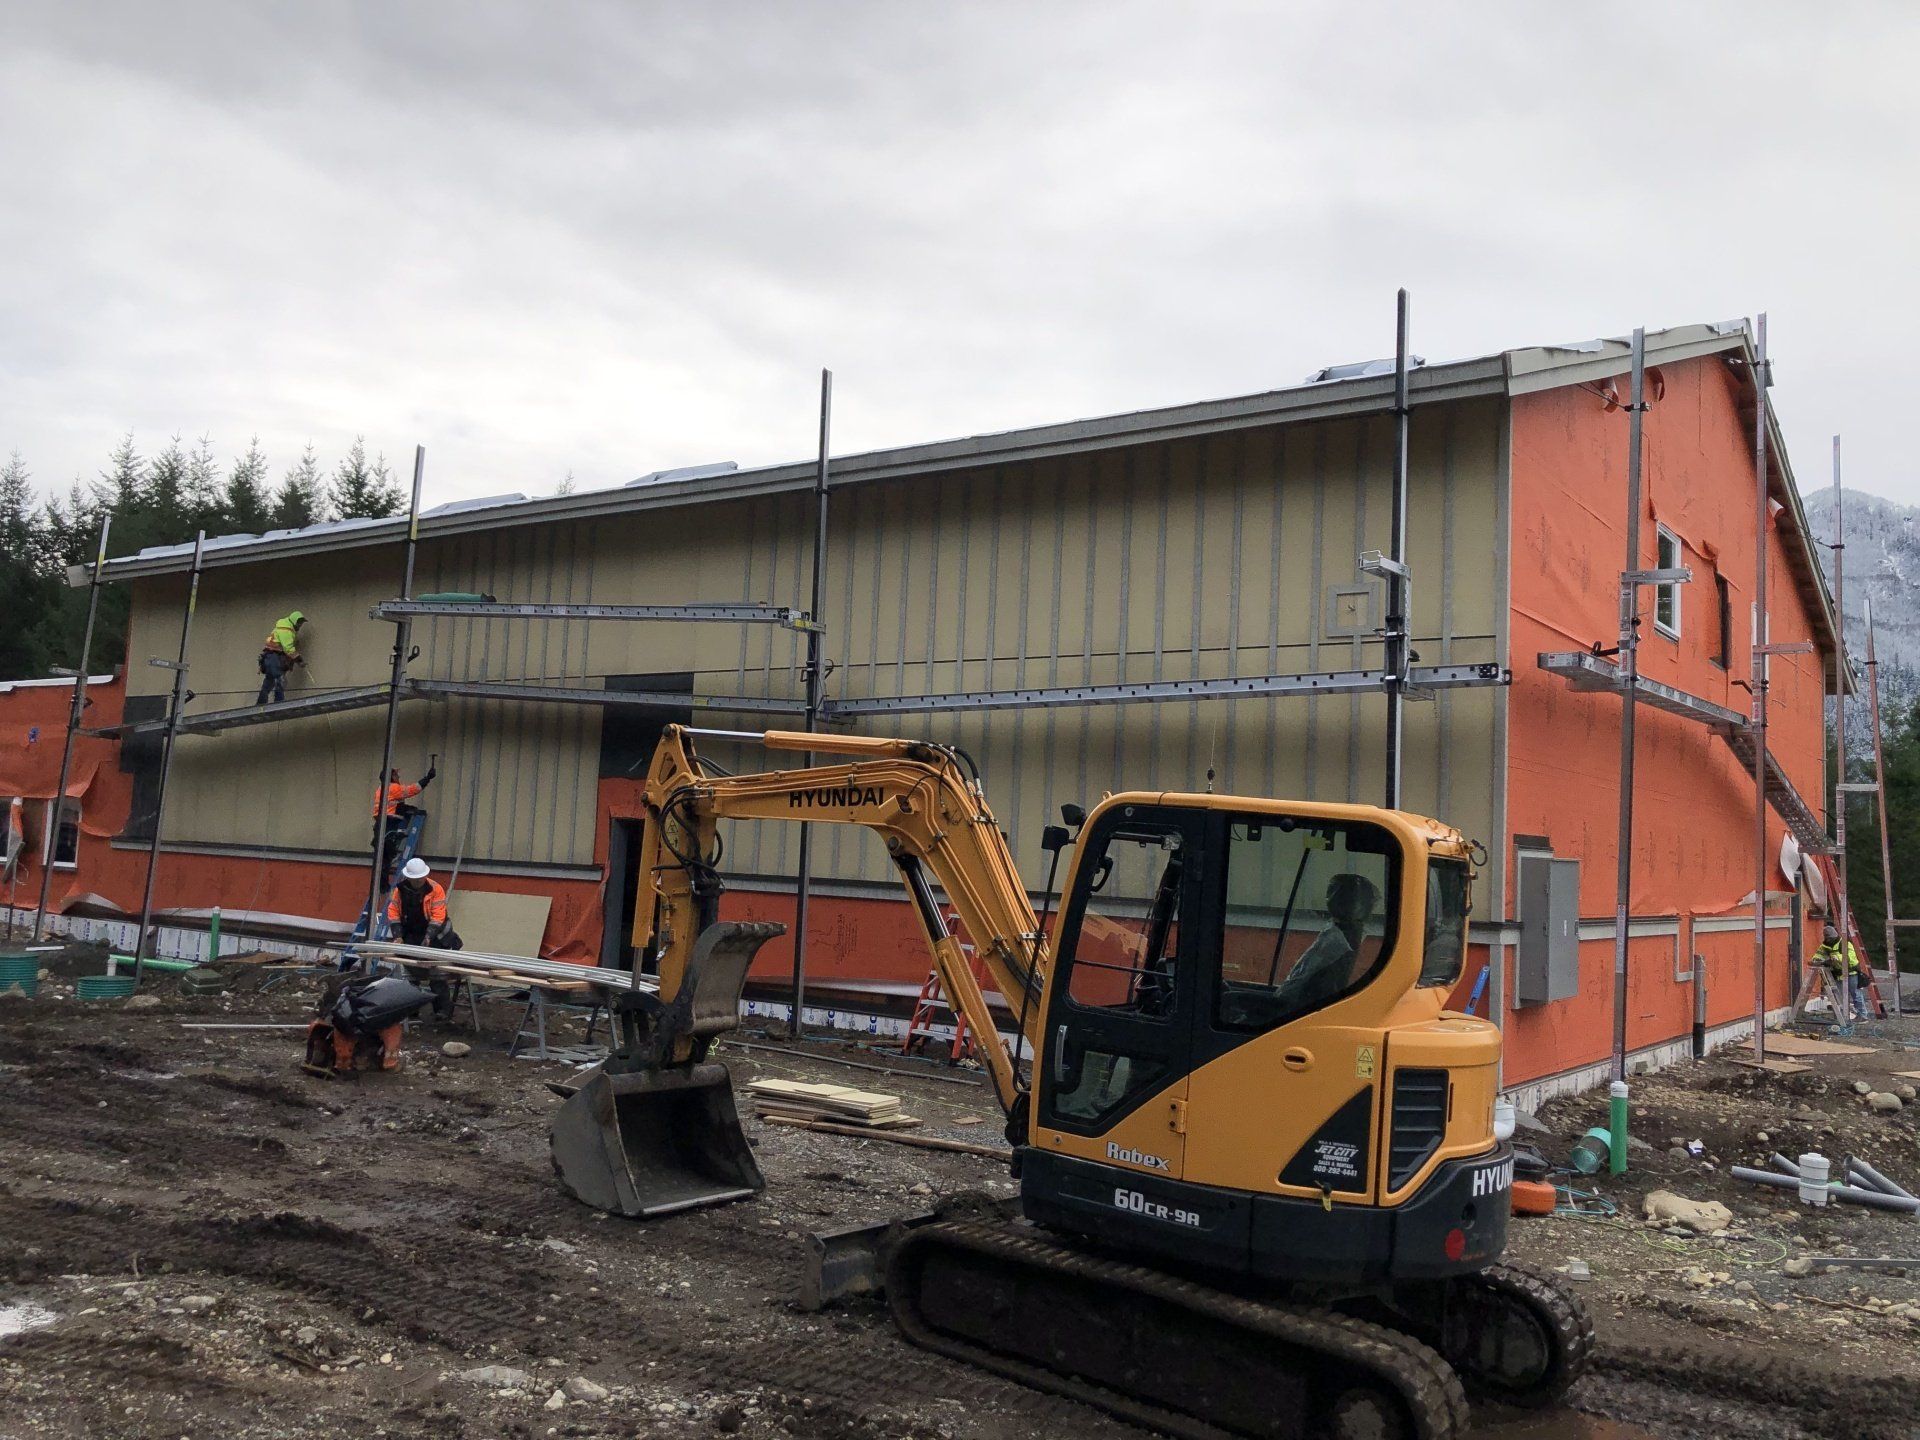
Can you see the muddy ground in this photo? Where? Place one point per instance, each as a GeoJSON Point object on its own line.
{"type": "Point", "coordinates": [197, 1239]}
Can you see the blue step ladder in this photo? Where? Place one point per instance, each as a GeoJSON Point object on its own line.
{"type": "Point", "coordinates": [403, 850]}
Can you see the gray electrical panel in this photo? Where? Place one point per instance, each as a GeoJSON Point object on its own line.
{"type": "Point", "coordinates": [1547, 966]}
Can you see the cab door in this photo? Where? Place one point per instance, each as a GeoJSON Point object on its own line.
{"type": "Point", "coordinates": [1112, 1081]}
{"type": "Point", "coordinates": [1289, 1045]}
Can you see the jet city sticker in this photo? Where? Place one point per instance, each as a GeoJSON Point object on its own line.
{"type": "Point", "coordinates": [1335, 1160]}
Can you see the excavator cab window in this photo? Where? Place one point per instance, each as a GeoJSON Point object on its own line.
{"type": "Point", "coordinates": [1118, 1030]}
{"type": "Point", "coordinates": [1311, 913]}
{"type": "Point", "coordinates": [1449, 899]}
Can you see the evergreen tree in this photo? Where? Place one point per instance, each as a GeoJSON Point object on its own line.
{"type": "Point", "coordinates": [26, 589]}
{"type": "Point", "coordinates": [163, 517]}
{"type": "Point", "coordinates": [206, 493]}
{"type": "Point", "coordinates": [248, 505]}
{"type": "Point", "coordinates": [119, 487]}
{"type": "Point", "coordinates": [363, 491]}
{"type": "Point", "coordinates": [302, 497]}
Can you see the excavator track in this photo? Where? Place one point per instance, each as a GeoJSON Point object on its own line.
{"type": "Point", "coordinates": [1517, 1336]}
{"type": "Point", "coordinates": [1161, 1351]}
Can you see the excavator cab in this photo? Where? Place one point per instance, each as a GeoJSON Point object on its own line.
{"type": "Point", "coordinates": [1245, 1061]}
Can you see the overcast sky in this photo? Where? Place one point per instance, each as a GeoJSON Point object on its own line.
{"type": "Point", "coordinates": [611, 238]}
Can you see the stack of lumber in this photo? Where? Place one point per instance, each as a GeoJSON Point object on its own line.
{"type": "Point", "coordinates": [840, 1105]}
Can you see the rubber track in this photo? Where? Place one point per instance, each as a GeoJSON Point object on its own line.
{"type": "Point", "coordinates": [1415, 1372]}
{"type": "Point", "coordinates": [1568, 1318]}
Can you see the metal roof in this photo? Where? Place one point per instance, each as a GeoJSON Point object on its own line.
{"type": "Point", "coordinates": [1509, 373]}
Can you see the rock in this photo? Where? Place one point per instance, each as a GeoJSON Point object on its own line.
{"type": "Point", "coordinates": [141, 1002]}
{"type": "Point", "coordinates": [1634, 1142]}
{"type": "Point", "coordinates": [557, 1400]}
{"type": "Point", "coordinates": [560, 1245]}
{"type": "Point", "coordinates": [198, 1304]}
{"type": "Point", "coordinates": [1703, 1217]}
{"type": "Point", "coordinates": [1530, 1122]}
{"type": "Point", "coordinates": [1884, 1103]}
{"type": "Point", "coordinates": [1860, 1087]}
{"type": "Point", "coordinates": [1908, 1093]}
{"type": "Point", "coordinates": [307, 1335]}
{"type": "Point", "coordinates": [923, 1188]}
{"type": "Point", "coordinates": [1761, 1137]}
{"type": "Point", "coordinates": [581, 1388]}
{"type": "Point", "coordinates": [454, 1049]}
{"type": "Point", "coordinates": [504, 1377]}
{"type": "Point", "coordinates": [1678, 1152]}
{"type": "Point", "coordinates": [1797, 1267]}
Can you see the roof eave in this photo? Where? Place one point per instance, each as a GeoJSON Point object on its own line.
{"type": "Point", "coordinates": [1329, 400]}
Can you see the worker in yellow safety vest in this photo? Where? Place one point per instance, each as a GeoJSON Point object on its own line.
{"type": "Point", "coordinates": [1842, 961]}
{"type": "Point", "coordinates": [279, 655]}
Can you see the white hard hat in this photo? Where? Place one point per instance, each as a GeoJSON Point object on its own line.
{"type": "Point", "coordinates": [414, 869]}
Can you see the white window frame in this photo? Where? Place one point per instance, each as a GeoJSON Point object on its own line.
{"type": "Point", "coordinates": [50, 816]}
{"type": "Point", "coordinates": [6, 814]}
{"type": "Point", "coordinates": [1666, 594]}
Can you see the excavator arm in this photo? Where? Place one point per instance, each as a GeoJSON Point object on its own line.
{"type": "Point", "coordinates": [922, 801]}
{"type": "Point", "coordinates": [654, 1129]}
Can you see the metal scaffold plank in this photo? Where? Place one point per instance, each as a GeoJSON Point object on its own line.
{"type": "Point", "coordinates": [1339, 682]}
{"type": "Point", "coordinates": [1593, 674]}
{"type": "Point", "coordinates": [331, 703]}
{"type": "Point", "coordinates": [581, 695]}
{"type": "Point", "coordinates": [746, 612]}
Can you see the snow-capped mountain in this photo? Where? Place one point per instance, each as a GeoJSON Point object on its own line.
{"type": "Point", "coordinates": [1883, 569]}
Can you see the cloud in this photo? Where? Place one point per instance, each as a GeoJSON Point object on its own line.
{"type": "Point", "coordinates": [608, 238]}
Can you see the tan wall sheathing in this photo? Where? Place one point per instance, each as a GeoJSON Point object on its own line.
{"type": "Point", "coordinates": [1208, 557]}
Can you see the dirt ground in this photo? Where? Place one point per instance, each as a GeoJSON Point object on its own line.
{"type": "Point", "coordinates": [197, 1239]}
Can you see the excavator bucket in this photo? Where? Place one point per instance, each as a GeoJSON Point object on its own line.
{"type": "Point", "coordinates": [645, 1135]}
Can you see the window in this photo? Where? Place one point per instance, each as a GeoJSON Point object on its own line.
{"type": "Point", "coordinates": [1311, 911]}
{"type": "Point", "coordinates": [1666, 598]}
{"type": "Point", "coordinates": [10, 846]}
{"type": "Point", "coordinates": [1449, 902]}
{"type": "Point", "coordinates": [62, 848]}
{"type": "Point", "coordinates": [1723, 595]}
{"type": "Point", "coordinates": [1124, 954]}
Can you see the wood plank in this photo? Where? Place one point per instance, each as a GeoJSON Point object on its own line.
{"type": "Point", "coordinates": [1806, 1045]}
{"type": "Point", "coordinates": [1773, 1066]}
{"type": "Point", "coordinates": [924, 1142]}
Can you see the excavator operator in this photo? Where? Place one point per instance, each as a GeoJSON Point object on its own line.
{"type": "Point", "coordinates": [1324, 968]}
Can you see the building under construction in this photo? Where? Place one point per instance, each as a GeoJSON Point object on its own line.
{"type": "Point", "coordinates": [1172, 599]}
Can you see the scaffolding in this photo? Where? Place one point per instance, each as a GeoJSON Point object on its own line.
{"type": "Point", "coordinates": [1398, 680]}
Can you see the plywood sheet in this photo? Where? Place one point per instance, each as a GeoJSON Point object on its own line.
{"type": "Point", "coordinates": [1775, 1067]}
{"type": "Point", "coordinates": [1806, 1045]}
{"type": "Point", "coordinates": [498, 923]}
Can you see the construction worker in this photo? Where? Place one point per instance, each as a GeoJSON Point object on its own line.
{"type": "Point", "coordinates": [1325, 968]}
{"type": "Point", "coordinates": [391, 812]}
{"type": "Point", "coordinates": [1842, 962]}
{"type": "Point", "coordinates": [279, 655]}
{"type": "Point", "coordinates": [417, 915]}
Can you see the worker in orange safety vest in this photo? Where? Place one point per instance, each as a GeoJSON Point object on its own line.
{"type": "Point", "coordinates": [391, 812]}
{"type": "Point", "coordinates": [417, 915]}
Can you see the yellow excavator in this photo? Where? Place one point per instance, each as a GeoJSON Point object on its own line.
{"type": "Point", "coordinates": [1262, 1188]}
